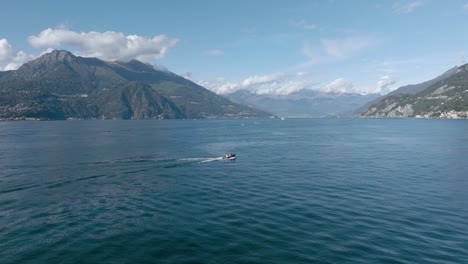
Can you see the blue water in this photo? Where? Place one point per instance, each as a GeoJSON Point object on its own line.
{"type": "Point", "coordinates": [300, 191]}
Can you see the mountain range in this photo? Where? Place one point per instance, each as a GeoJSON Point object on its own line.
{"type": "Point", "coordinates": [443, 97]}
{"type": "Point", "coordinates": [304, 103]}
{"type": "Point", "coordinates": [407, 89]}
{"type": "Point", "coordinates": [60, 85]}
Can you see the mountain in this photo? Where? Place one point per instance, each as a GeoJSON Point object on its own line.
{"type": "Point", "coordinates": [4, 73]}
{"type": "Point", "coordinates": [304, 103]}
{"type": "Point", "coordinates": [60, 85]}
{"type": "Point", "coordinates": [407, 89]}
{"type": "Point", "coordinates": [415, 88]}
{"type": "Point", "coordinates": [445, 98]}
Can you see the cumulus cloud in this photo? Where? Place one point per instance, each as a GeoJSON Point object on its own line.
{"type": "Point", "coordinates": [6, 50]}
{"type": "Point", "coordinates": [285, 84]}
{"type": "Point", "coordinates": [384, 84]}
{"type": "Point", "coordinates": [339, 85]}
{"type": "Point", "coordinates": [20, 58]}
{"type": "Point", "coordinates": [271, 84]}
{"type": "Point", "coordinates": [407, 7]}
{"type": "Point", "coordinates": [263, 79]}
{"type": "Point", "coordinates": [294, 86]}
{"type": "Point", "coordinates": [224, 88]}
{"type": "Point", "coordinates": [107, 45]}
{"type": "Point", "coordinates": [9, 58]}
{"type": "Point", "coordinates": [215, 52]}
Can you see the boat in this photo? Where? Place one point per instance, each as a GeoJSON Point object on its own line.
{"type": "Point", "coordinates": [230, 156]}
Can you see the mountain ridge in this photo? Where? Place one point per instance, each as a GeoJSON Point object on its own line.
{"type": "Point", "coordinates": [406, 89]}
{"type": "Point", "coordinates": [415, 88]}
{"type": "Point", "coordinates": [445, 98]}
{"type": "Point", "coordinates": [60, 85]}
{"type": "Point", "coordinates": [304, 103]}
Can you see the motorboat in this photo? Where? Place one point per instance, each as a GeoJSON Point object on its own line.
{"type": "Point", "coordinates": [230, 156]}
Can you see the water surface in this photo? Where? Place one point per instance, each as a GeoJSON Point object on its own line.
{"type": "Point", "coordinates": [300, 191]}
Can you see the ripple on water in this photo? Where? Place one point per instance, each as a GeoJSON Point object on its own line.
{"type": "Point", "coordinates": [309, 191]}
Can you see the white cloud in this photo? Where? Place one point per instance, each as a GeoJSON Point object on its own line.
{"type": "Point", "coordinates": [272, 84]}
{"type": "Point", "coordinates": [339, 85]}
{"type": "Point", "coordinates": [465, 7]}
{"type": "Point", "coordinates": [348, 47]}
{"type": "Point", "coordinates": [294, 86]}
{"type": "Point", "coordinates": [215, 52]}
{"type": "Point", "coordinates": [407, 7]}
{"type": "Point", "coordinates": [107, 45]}
{"type": "Point", "coordinates": [6, 51]}
{"type": "Point", "coordinates": [221, 88]}
{"type": "Point", "coordinates": [263, 79]}
{"type": "Point", "coordinates": [20, 58]}
{"type": "Point", "coordinates": [285, 84]}
{"type": "Point", "coordinates": [9, 59]}
{"type": "Point", "coordinates": [384, 85]}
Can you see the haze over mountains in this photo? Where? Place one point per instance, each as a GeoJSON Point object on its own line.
{"type": "Point", "coordinates": [304, 103]}
{"type": "Point", "coordinates": [442, 97]}
{"type": "Point", "coordinates": [60, 85]}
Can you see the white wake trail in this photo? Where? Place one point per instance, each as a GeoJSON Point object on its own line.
{"type": "Point", "coordinates": [211, 159]}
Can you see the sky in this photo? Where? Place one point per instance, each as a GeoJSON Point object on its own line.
{"type": "Point", "coordinates": [266, 47]}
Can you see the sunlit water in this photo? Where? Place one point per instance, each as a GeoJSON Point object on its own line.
{"type": "Point", "coordinates": [300, 191]}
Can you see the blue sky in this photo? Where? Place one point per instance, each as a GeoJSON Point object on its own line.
{"type": "Point", "coordinates": [263, 46]}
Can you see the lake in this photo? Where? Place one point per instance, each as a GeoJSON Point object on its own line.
{"type": "Point", "coordinates": [300, 191]}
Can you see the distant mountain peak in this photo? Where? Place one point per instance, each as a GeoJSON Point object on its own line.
{"type": "Point", "coordinates": [60, 85]}
{"type": "Point", "coordinates": [45, 63]}
{"type": "Point", "coordinates": [464, 67]}
{"type": "Point", "coordinates": [58, 55]}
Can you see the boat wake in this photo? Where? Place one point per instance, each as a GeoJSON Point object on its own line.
{"type": "Point", "coordinates": [170, 163]}
{"type": "Point", "coordinates": [164, 162]}
{"type": "Point", "coordinates": [211, 159]}
{"type": "Point", "coordinates": [200, 160]}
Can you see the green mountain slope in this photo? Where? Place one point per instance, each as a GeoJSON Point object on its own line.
{"type": "Point", "coordinates": [447, 98]}
{"type": "Point", "coordinates": [407, 89]}
{"type": "Point", "coordinates": [60, 85]}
